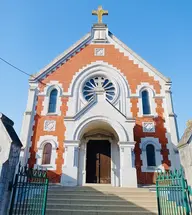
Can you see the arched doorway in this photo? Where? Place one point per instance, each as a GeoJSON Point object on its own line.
{"type": "Point", "coordinates": [99, 160]}
{"type": "Point", "coordinates": [120, 135]}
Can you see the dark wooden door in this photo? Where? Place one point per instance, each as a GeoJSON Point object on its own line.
{"type": "Point", "coordinates": [98, 164]}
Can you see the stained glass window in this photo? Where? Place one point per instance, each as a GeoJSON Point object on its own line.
{"type": "Point", "coordinates": [150, 150]}
{"type": "Point", "coordinates": [47, 153]}
{"type": "Point", "coordinates": [101, 83]}
{"type": "Point", "coordinates": [146, 102]}
{"type": "Point", "coordinates": [52, 101]}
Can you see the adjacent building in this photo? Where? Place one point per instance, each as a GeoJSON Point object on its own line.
{"type": "Point", "coordinates": [185, 151]}
{"type": "Point", "coordinates": [10, 147]}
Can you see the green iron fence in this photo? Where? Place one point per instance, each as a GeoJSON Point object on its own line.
{"type": "Point", "coordinates": [173, 193]}
{"type": "Point", "coordinates": [29, 192]}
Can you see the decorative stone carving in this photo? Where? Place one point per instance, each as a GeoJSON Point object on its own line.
{"type": "Point", "coordinates": [99, 52]}
{"type": "Point", "coordinates": [148, 127]}
{"type": "Point", "coordinates": [49, 125]}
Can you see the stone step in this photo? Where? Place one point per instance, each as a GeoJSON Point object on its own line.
{"type": "Point", "coordinates": [130, 198]}
{"type": "Point", "coordinates": [120, 194]}
{"type": "Point", "coordinates": [127, 207]}
{"type": "Point", "coordinates": [97, 188]}
{"type": "Point", "coordinates": [96, 207]}
{"type": "Point", "coordinates": [99, 191]}
{"type": "Point", "coordinates": [142, 203]}
{"type": "Point", "coordinates": [101, 197]}
{"type": "Point", "coordinates": [99, 212]}
{"type": "Point", "coordinates": [100, 200]}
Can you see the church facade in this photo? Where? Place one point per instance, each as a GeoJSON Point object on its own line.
{"type": "Point", "coordinates": [99, 113]}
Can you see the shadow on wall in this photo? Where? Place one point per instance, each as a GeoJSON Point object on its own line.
{"type": "Point", "coordinates": [54, 177]}
{"type": "Point", "coordinates": [94, 200]}
{"type": "Point", "coordinates": [160, 133]}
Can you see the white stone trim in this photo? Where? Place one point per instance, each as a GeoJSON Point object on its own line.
{"type": "Point", "coordinates": [88, 38]}
{"type": "Point", "coordinates": [110, 71]}
{"type": "Point", "coordinates": [99, 51]}
{"type": "Point", "coordinates": [153, 105]}
{"type": "Point", "coordinates": [63, 57]}
{"type": "Point", "coordinates": [39, 155]}
{"type": "Point", "coordinates": [145, 85]}
{"type": "Point", "coordinates": [28, 123]}
{"type": "Point", "coordinates": [49, 125]}
{"type": "Point", "coordinates": [137, 59]}
{"type": "Point", "coordinates": [76, 100]}
{"type": "Point", "coordinates": [46, 93]}
{"type": "Point", "coordinates": [155, 142]}
{"type": "Point", "coordinates": [148, 127]}
{"type": "Point", "coordinates": [171, 128]}
{"type": "Point", "coordinates": [122, 135]}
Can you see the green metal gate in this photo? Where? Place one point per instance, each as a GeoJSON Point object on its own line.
{"type": "Point", "coordinates": [173, 193]}
{"type": "Point", "coordinates": [29, 192]}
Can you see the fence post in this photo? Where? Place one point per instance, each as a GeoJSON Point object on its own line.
{"type": "Point", "coordinates": [29, 192]}
{"type": "Point", "coordinates": [157, 191]}
{"type": "Point", "coordinates": [185, 193]}
{"type": "Point", "coordinates": [45, 196]}
{"type": "Point", "coordinates": [13, 194]}
{"type": "Point", "coordinates": [173, 193]}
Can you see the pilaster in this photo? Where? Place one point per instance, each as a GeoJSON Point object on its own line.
{"type": "Point", "coordinates": [27, 124]}
{"type": "Point", "coordinates": [127, 170]}
{"type": "Point", "coordinates": [171, 115]}
{"type": "Point", "coordinates": [70, 169]}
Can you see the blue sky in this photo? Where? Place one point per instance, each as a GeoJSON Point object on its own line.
{"type": "Point", "coordinates": [32, 33]}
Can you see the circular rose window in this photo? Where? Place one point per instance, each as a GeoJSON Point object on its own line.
{"type": "Point", "coordinates": [98, 83]}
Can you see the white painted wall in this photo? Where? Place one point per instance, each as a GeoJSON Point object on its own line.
{"type": "Point", "coordinates": [5, 144]}
{"type": "Point", "coordinates": [97, 112]}
{"type": "Point", "coordinates": [9, 157]}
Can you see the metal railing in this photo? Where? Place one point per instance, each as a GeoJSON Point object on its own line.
{"type": "Point", "coordinates": [29, 192]}
{"type": "Point", "coordinates": [173, 193]}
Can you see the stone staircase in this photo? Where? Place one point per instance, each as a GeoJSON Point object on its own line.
{"type": "Point", "coordinates": [100, 200]}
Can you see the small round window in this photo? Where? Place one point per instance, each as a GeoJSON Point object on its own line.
{"type": "Point", "coordinates": [101, 83]}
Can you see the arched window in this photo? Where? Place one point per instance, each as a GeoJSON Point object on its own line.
{"type": "Point", "coordinates": [47, 154]}
{"type": "Point", "coordinates": [52, 101]}
{"type": "Point", "coordinates": [150, 150]}
{"type": "Point", "coordinates": [146, 102]}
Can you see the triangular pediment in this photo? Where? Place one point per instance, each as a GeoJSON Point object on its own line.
{"type": "Point", "coordinates": [96, 108]}
{"type": "Point", "coordinates": [89, 39]}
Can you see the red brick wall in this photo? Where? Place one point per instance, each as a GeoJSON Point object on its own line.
{"type": "Point", "coordinates": [134, 75]}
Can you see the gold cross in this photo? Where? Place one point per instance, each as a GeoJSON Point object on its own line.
{"type": "Point", "coordinates": [100, 12]}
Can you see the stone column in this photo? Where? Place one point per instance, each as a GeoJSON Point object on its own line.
{"type": "Point", "coordinates": [172, 132]}
{"type": "Point", "coordinates": [70, 169]}
{"type": "Point", "coordinates": [171, 115]}
{"type": "Point", "coordinates": [127, 170]}
{"type": "Point", "coordinates": [27, 123]}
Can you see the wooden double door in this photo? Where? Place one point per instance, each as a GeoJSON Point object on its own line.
{"type": "Point", "coordinates": [98, 162]}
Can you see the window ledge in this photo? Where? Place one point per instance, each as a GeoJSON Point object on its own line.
{"type": "Point", "coordinates": [148, 115]}
{"type": "Point", "coordinates": [47, 166]}
{"type": "Point", "coordinates": [52, 114]}
{"type": "Point", "coordinates": [150, 169]}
